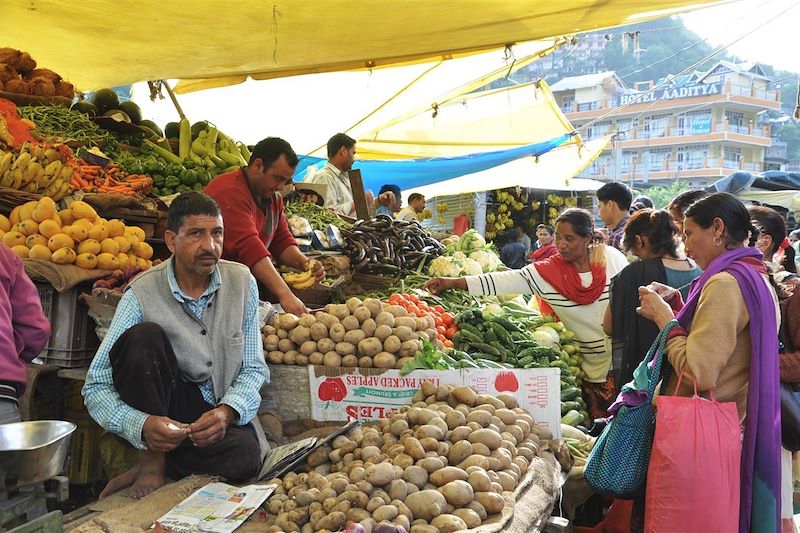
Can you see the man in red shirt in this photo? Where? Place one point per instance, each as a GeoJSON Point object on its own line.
{"type": "Point", "coordinates": [255, 225]}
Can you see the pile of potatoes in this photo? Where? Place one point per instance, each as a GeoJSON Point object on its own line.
{"type": "Point", "coordinates": [354, 334]}
{"type": "Point", "coordinates": [438, 466]}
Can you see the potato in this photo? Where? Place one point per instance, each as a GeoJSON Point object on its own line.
{"type": "Point", "coordinates": [480, 449]}
{"type": "Point", "coordinates": [384, 360]}
{"type": "Point", "coordinates": [479, 509]}
{"type": "Point", "coordinates": [407, 321]}
{"type": "Point", "coordinates": [290, 357]}
{"type": "Point", "coordinates": [416, 475]}
{"type": "Point", "coordinates": [491, 400]}
{"type": "Point", "coordinates": [285, 345]}
{"type": "Point", "coordinates": [301, 359]}
{"type": "Point", "coordinates": [361, 313]}
{"type": "Point", "coordinates": [282, 334]}
{"type": "Point", "coordinates": [365, 361]}
{"type": "Point", "coordinates": [482, 418]}
{"type": "Point", "coordinates": [431, 464]}
{"type": "Point", "coordinates": [306, 320]}
{"type": "Point", "coordinates": [268, 330]}
{"type": "Point", "coordinates": [300, 334]}
{"type": "Point", "coordinates": [371, 346]}
{"type": "Point", "coordinates": [382, 332]}
{"type": "Point", "coordinates": [353, 303]}
{"type": "Point", "coordinates": [316, 358]}
{"type": "Point", "coordinates": [271, 342]}
{"type": "Point", "coordinates": [470, 517]}
{"type": "Point", "coordinates": [380, 474]}
{"type": "Point", "coordinates": [413, 447]}
{"type": "Point", "coordinates": [454, 419]}
{"type": "Point", "coordinates": [357, 514]}
{"type": "Point", "coordinates": [430, 444]}
{"type": "Point", "coordinates": [287, 321]}
{"type": "Point", "coordinates": [350, 323]}
{"type": "Point", "coordinates": [448, 523]}
{"type": "Point", "coordinates": [458, 492]}
{"type": "Point", "coordinates": [374, 305]}
{"type": "Point", "coordinates": [398, 427]}
{"type": "Point", "coordinates": [490, 438]}
{"type": "Point", "coordinates": [465, 395]}
{"type": "Point", "coordinates": [391, 344]}
{"type": "Point", "coordinates": [407, 348]}
{"type": "Point", "coordinates": [459, 451]}
{"type": "Point", "coordinates": [445, 475]}
{"type": "Point", "coordinates": [336, 332]}
{"type": "Point", "coordinates": [423, 528]}
{"type": "Point", "coordinates": [395, 310]}
{"type": "Point", "coordinates": [275, 357]}
{"type": "Point", "coordinates": [426, 504]}
{"type": "Point", "coordinates": [491, 501]}
{"type": "Point", "coordinates": [318, 331]}
{"type": "Point", "coordinates": [327, 319]}
{"type": "Point", "coordinates": [332, 359]}
{"type": "Point", "coordinates": [479, 481]}
{"type": "Point", "coordinates": [475, 460]}
{"type": "Point", "coordinates": [429, 430]}
{"type": "Point", "coordinates": [507, 481]}
{"type": "Point", "coordinates": [405, 333]}
{"type": "Point", "coordinates": [345, 348]}
{"type": "Point", "coordinates": [340, 311]}
{"type": "Point", "coordinates": [385, 319]}
{"type": "Point", "coordinates": [308, 347]}
{"type": "Point", "coordinates": [350, 361]}
{"type": "Point", "coordinates": [460, 433]}
{"type": "Point", "coordinates": [333, 522]}
{"type": "Point", "coordinates": [354, 336]}
{"type": "Point", "coordinates": [368, 327]}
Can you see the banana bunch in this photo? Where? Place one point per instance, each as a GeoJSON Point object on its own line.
{"type": "Point", "coordinates": [298, 280]}
{"type": "Point", "coordinates": [442, 208]}
{"type": "Point", "coordinates": [37, 169]}
{"type": "Point", "coordinates": [572, 201]}
{"type": "Point", "coordinates": [554, 199]}
{"type": "Point", "coordinates": [426, 214]}
{"type": "Point", "coordinates": [216, 151]}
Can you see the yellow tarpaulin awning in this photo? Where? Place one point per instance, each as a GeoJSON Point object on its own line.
{"type": "Point", "coordinates": [97, 43]}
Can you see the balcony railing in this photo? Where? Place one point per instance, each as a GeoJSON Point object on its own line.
{"type": "Point", "coordinates": [673, 165]}
{"type": "Point", "coordinates": [778, 150]}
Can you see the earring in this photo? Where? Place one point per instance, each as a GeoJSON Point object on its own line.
{"type": "Point", "coordinates": [717, 241]}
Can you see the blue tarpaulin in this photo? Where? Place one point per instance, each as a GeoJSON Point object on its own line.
{"type": "Point", "coordinates": [412, 173]}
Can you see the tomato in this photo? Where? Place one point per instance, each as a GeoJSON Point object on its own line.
{"type": "Point", "coordinates": [439, 309]}
{"type": "Point", "coordinates": [441, 337]}
{"type": "Point", "coordinates": [437, 321]}
{"type": "Point", "coordinates": [448, 318]}
{"type": "Point", "coordinates": [413, 309]}
{"type": "Point", "coordinates": [441, 329]}
{"type": "Point", "coordinates": [412, 298]}
{"type": "Point", "coordinates": [448, 343]}
{"type": "Point", "coordinates": [451, 331]}
{"type": "Point", "coordinates": [395, 299]}
{"type": "Point", "coordinates": [424, 306]}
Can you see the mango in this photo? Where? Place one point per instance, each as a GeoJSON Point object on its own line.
{"type": "Point", "coordinates": [13, 217]}
{"type": "Point", "coordinates": [115, 228]}
{"type": "Point", "coordinates": [90, 246]}
{"type": "Point", "coordinates": [98, 232]}
{"type": "Point", "coordinates": [75, 231]}
{"type": "Point", "coordinates": [63, 256]}
{"type": "Point", "coordinates": [49, 227]}
{"type": "Point", "coordinates": [28, 227]}
{"type": "Point", "coordinates": [26, 212]}
{"type": "Point", "coordinates": [131, 238]}
{"type": "Point", "coordinates": [45, 208]}
{"type": "Point", "coordinates": [144, 250]}
{"type": "Point", "coordinates": [109, 246]}
{"type": "Point", "coordinates": [81, 209]}
{"type": "Point", "coordinates": [87, 261]}
{"type": "Point", "coordinates": [40, 251]}
{"type": "Point", "coordinates": [21, 250]}
{"type": "Point", "coordinates": [35, 239]}
{"type": "Point", "coordinates": [135, 230]}
{"type": "Point", "coordinates": [107, 261]}
{"type": "Point", "coordinates": [14, 238]}
{"type": "Point", "coordinates": [83, 223]}
{"type": "Point", "coordinates": [59, 241]}
{"type": "Point", "coordinates": [123, 259]}
{"type": "Point", "coordinates": [5, 224]}
{"type": "Point", "coordinates": [66, 217]}
{"type": "Point", "coordinates": [123, 243]}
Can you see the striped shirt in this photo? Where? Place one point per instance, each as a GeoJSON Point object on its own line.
{"type": "Point", "coordinates": [586, 321]}
{"type": "Point", "coordinates": [103, 401]}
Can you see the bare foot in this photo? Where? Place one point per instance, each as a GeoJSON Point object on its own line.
{"type": "Point", "coordinates": [119, 482]}
{"type": "Point", "coordinates": [150, 474]}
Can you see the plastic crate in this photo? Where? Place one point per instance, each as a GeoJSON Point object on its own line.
{"type": "Point", "coordinates": [85, 462]}
{"type": "Point", "coordinates": [73, 341]}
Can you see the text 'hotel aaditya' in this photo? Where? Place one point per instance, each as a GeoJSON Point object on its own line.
{"type": "Point", "coordinates": [697, 127]}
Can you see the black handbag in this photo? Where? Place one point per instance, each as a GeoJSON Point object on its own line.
{"type": "Point", "coordinates": [790, 416]}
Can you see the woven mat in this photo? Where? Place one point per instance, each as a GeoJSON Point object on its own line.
{"type": "Point", "coordinates": [61, 277]}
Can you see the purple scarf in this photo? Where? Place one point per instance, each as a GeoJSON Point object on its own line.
{"type": "Point", "coordinates": [761, 449]}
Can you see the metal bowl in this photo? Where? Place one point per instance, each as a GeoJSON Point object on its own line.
{"type": "Point", "coordinates": [31, 452]}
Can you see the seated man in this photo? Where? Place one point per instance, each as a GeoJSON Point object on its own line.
{"type": "Point", "coordinates": [179, 372]}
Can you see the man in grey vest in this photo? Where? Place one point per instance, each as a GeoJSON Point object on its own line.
{"type": "Point", "coordinates": [179, 372]}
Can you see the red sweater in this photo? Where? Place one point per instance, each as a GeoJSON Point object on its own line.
{"type": "Point", "coordinates": [253, 230]}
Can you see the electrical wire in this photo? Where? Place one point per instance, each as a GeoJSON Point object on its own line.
{"type": "Point", "coordinates": [686, 70]}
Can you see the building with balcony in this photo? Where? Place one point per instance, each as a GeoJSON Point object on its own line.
{"type": "Point", "coordinates": [696, 128]}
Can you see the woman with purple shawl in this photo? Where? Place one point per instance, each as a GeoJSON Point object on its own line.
{"type": "Point", "coordinates": [728, 341]}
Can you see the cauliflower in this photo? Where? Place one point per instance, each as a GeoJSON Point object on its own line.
{"type": "Point", "coordinates": [471, 241]}
{"type": "Point", "coordinates": [470, 267]}
{"type": "Point", "coordinates": [459, 256]}
{"type": "Point", "coordinates": [488, 259]}
{"type": "Point", "coordinates": [444, 266]}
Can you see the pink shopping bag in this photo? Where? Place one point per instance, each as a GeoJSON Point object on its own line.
{"type": "Point", "coordinates": [693, 477]}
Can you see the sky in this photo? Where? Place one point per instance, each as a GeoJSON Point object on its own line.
{"type": "Point", "coordinates": [772, 43]}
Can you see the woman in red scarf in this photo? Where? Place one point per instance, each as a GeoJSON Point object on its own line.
{"type": "Point", "coordinates": [544, 244]}
{"type": "Point", "coordinates": [575, 284]}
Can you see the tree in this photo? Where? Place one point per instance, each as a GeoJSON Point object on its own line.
{"type": "Point", "coordinates": [662, 195]}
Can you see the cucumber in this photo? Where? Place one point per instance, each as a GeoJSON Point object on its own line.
{"type": "Point", "coordinates": [568, 406]}
{"type": "Point", "coordinates": [469, 336]}
{"type": "Point", "coordinates": [486, 348]}
{"type": "Point", "coordinates": [572, 418]}
{"type": "Point", "coordinates": [484, 357]}
{"type": "Point", "coordinates": [570, 394]}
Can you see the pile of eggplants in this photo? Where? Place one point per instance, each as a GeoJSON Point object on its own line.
{"type": "Point", "coordinates": [381, 245]}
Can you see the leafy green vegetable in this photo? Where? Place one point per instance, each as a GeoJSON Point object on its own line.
{"type": "Point", "coordinates": [428, 359]}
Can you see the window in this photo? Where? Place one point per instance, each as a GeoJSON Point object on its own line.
{"type": "Point", "coordinates": [623, 127]}
{"type": "Point", "coordinates": [732, 157]}
{"type": "Point", "coordinates": [691, 157]}
{"type": "Point", "coordinates": [568, 103]}
{"type": "Point", "coordinates": [655, 126]}
{"type": "Point", "coordinates": [656, 158]}
{"type": "Point", "coordinates": [736, 122]}
{"type": "Point", "coordinates": [598, 130]}
{"type": "Point", "coordinates": [693, 123]}
{"type": "Point", "coordinates": [628, 160]}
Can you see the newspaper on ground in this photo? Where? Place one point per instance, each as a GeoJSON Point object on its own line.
{"type": "Point", "coordinates": [214, 508]}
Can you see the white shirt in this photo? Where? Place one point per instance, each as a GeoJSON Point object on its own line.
{"type": "Point", "coordinates": [407, 214]}
{"type": "Point", "coordinates": [586, 321]}
{"type": "Point", "coordinates": [338, 194]}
